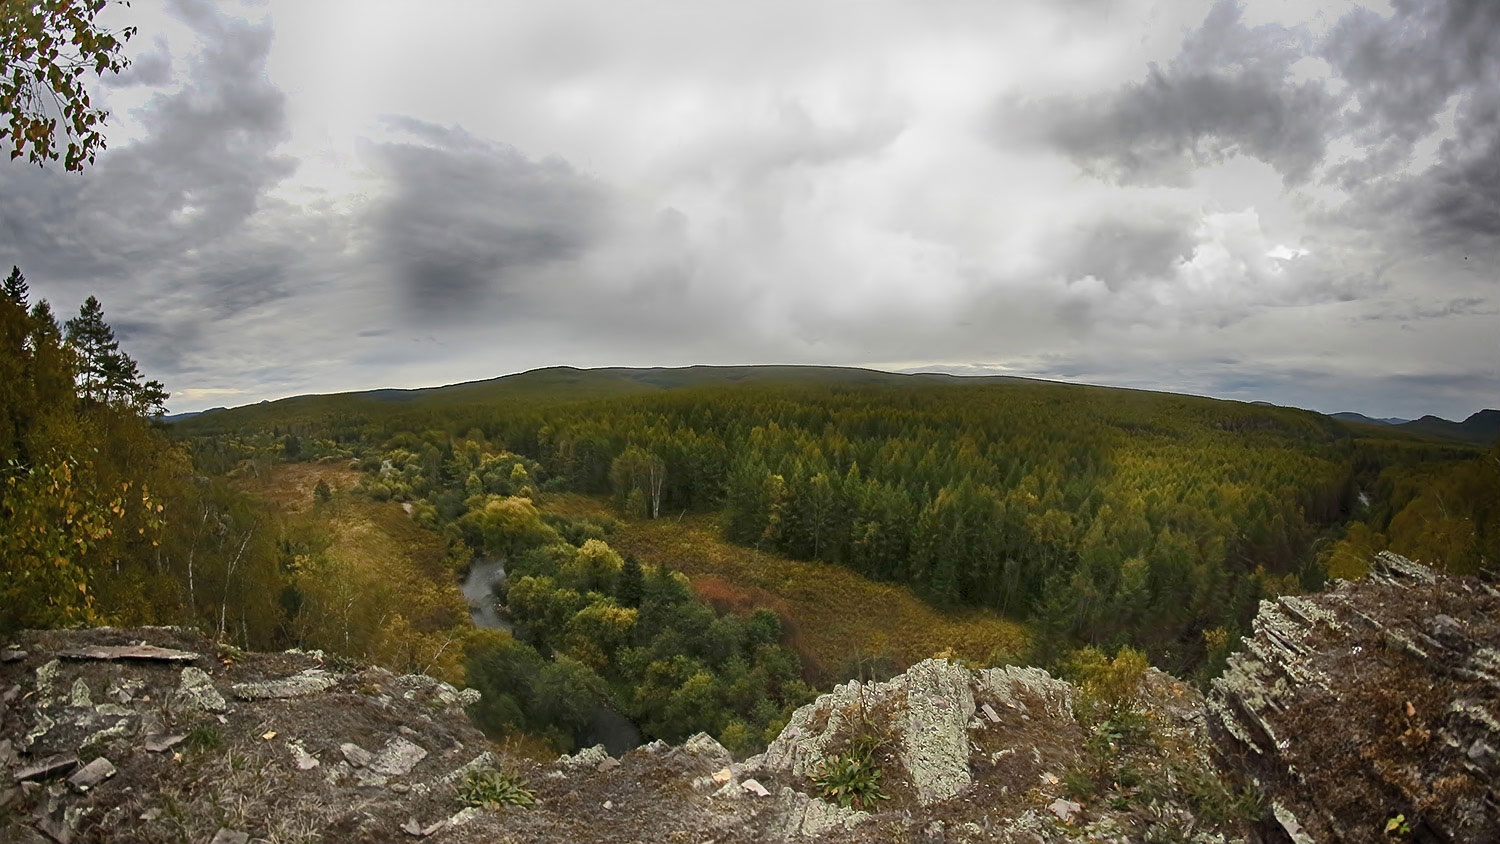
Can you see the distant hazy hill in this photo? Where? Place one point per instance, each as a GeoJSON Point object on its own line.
{"type": "Point", "coordinates": [1483, 427]}
{"type": "Point", "coordinates": [562, 384]}
{"type": "Point", "coordinates": [1350, 416]}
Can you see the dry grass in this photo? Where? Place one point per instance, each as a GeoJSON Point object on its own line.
{"type": "Point", "coordinates": [836, 617]}
{"type": "Point", "coordinates": [290, 485]}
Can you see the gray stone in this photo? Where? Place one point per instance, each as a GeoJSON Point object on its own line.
{"type": "Point", "coordinates": [195, 690]}
{"type": "Point", "coordinates": [589, 757]}
{"type": "Point", "coordinates": [55, 829]}
{"type": "Point", "coordinates": [80, 696]}
{"type": "Point", "coordinates": [989, 712]}
{"type": "Point", "coordinates": [797, 815]}
{"type": "Point", "coordinates": [298, 685]}
{"type": "Point", "coordinates": [146, 652]}
{"type": "Point", "coordinates": [356, 755]}
{"type": "Point", "coordinates": [300, 757]}
{"type": "Point", "coordinates": [1064, 809]}
{"type": "Point", "coordinates": [754, 787]}
{"type": "Point", "coordinates": [398, 757]}
{"type": "Point", "coordinates": [49, 767]}
{"type": "Point", "coordinates": [608, 765]}
{"type": "Point", "coordinates": [158, 744]}
{"type": "Point", "coordinates": [46, 675]}
{"type": "Point", "coordinates": [229, 836]}
{"type": "Point", "coordinates": [12, 655]}
{"type": "Point", "coordinates": [124, 690]}
{"type": "Point", "coordinates": [92, 774]}
{"type": "Point", "coordinates": [483, 760]}
{"type": "Point", "coordinates": [707, 748]}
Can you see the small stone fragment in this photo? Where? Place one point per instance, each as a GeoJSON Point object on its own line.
{"type": "Point", "coordinates": [608, 765]}
{"type": "Point", "coordinates": [356, 755]}
{"type": "Point", "coordinates": [80, 696]}
{"type": "Point", "coordinates": [989, 712]}
{"type": "Point", "coordinates": [45, 675]}
{"type": "Point", "coordinates": [721, 776]}
{"type": "Point", "coordinates": [1064, 809]}
{"type": "Point", "coordinates": [12, 655]}
{"type": "Point", "coordinates": [158, 744]}
{"type": "Point", "coordinates": [55, 829]}
{"type": "Point", "coordinates": [229, 836]}
{"type": "Point", "coordinates": [300, 757]}
{"type": "Point", "coordinates": [412, 828]}
{"type": "Point", "coordinates": [268, 735]}
{"type": "Point", "coordinates": [92, 774]}
{"type": "Point", "coordinates": [49, 767]}
{"type": "Point", "coordinates": [754, 787]}
{"type": "Point", "coordinates": [151, 814]}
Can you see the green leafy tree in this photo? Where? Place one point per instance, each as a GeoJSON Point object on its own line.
{"type": "Point", "coordinates": [47, 50]}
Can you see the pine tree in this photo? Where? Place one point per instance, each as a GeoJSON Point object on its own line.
{"type": "Point", "coordinates": [632, 582]}
{"type": "Point", "coordinates": [15, 287]}
{"type": "Point", "coordinates": [94, 341]}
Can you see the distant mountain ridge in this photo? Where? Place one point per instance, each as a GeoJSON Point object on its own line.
{"type": "Point", "coordinates": [578, 384]}
{"type": "Point", "coordinates": [1482, 427]}
{"type": "Point", "coordinates": [1351, 416]}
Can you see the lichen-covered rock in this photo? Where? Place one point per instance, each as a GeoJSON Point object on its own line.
{"type": "Point", "coordinates": [928, 712]}
{"type": "Point", "coordinates": [195, 690]}
{"type": "Point", "coordinates": [1379, 698]}
{"type": "Point", "coordinates": [298, 685]}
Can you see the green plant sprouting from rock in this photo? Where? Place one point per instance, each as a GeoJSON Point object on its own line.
{"type": "Point", "coordinates": [491, 787]}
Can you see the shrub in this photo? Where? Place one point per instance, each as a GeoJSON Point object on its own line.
{"type": "Point", "coordinates": [491, 788]}
{"type": "Point", "coordinates": [852, 779]}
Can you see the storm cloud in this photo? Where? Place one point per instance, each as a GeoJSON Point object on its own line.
{"type": "Point", "coordinates": [462, 214]}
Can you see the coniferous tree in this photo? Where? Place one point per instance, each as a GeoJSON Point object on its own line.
{"type": "Point", "coordinates": [96, 346]}
{"type": "Point", "coordinates": [632, 582]}
{"type": "Point", "coordinates": [15, 287]}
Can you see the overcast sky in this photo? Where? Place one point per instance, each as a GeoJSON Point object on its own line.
{"type": "Point", "coordinates": [1278, 200]}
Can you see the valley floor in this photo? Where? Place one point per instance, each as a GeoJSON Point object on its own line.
{"type": "Point", "coordinates": [836, 618]}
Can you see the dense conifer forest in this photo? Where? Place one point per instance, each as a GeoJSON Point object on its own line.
{"type": "Point", "coordinates": [1093, 516]}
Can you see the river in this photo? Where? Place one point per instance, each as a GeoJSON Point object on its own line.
{"type": "Point", "coordinates": [607, 726]}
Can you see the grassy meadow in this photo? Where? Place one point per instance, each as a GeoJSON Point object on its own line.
{"type": "Point", "coordinates": [835, 617]}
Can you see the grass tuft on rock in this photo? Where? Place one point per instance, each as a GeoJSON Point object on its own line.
{"type": "Point", "coordinates": [493, 788]}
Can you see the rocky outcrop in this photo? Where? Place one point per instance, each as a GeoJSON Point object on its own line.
{"type": "Point", "coordinates": [1374, 704]}
{"type": "Point", "coordinates": [929, 716]}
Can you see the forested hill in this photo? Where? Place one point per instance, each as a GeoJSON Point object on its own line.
{"type": "Point", "coordinates": [1102, 515]}
{"type": "Point", "coordinates": [566, 384]}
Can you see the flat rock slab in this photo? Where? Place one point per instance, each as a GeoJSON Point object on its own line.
{"type": "Point", "coordinates": [298, 685]}
{"type": "Point", "coordinates": [92, 774]}
{"type": "Point", "coordinates": [356, 755]}
{"type": "Point", "coordinates": [398, 757]}
{"type": "Point", "coordinates": [49, 767]}
{"type": "Point", "coordinates": [12, 655]}
{"type": "Point", "coordinates": [149, 652]}
{"type": "Point", "coordinates": [159, 744]}
{"type": "Point", "coordinates": [230, 836]}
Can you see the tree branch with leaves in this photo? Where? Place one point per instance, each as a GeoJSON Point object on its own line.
{"type": "Point", "coordinates": [47, 50]}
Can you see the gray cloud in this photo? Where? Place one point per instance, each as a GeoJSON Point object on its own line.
{"type": "Point", "coordinates": [1227, 92]}
{"type": "Point", "coordinates": [463, 214]}
{"type": "Point", "coordinates": [206, 161]}
{"type": "Point", "coordinates": [1118, 251]}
